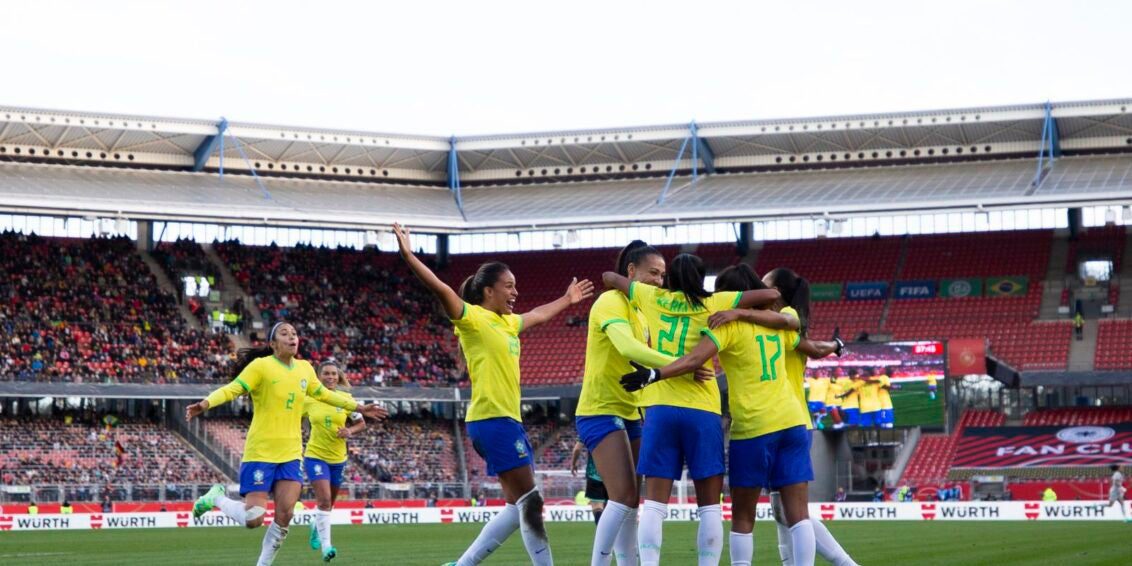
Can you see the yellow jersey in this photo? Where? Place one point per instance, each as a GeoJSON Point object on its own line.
{"type": "Point", "coordinates": [490, 343]}
{"type": "Point", "coordinates": [796, 365]}
{"type": "Point", "coordinates": [870, 397]}
{"type": "Point", "coordinates": [931, 380]}
{"type": "Point", "coordinates": [852, 400]}
{"type": "Point", "coordinates": [883, 394]}
{"type": "Point", "coordinates": [836, 388]}
{"type": "Point", "coordinates": [819, 389]}
{"type": "Point", "coordinates": [759, 392]}
{"type": "Point", "coordinates": [278, 393]}
{"type": "Point", "coordinates": [677, 325]}
{"type": "Point", "coordinates": [602, 393]}
{"type": "Point", "coordinates": [325, 420]}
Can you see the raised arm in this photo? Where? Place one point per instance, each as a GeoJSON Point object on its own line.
{"type": "Point", "coordinates": [766, 318]}
{"type": "Point", "coordinates": [317, 392]}
{"type": "Point", "coordinates": [818, 348]}
{"type": "Point", "coordinates": [613, 280]}
{"type": "Point", "coordinates": [577, 292]}
{"type": "Point", "coordinates": [758, 298]}
{"type": "Point", "coordinates": [225, 394]}
{"type": "Point", "coordinates": [449, 299]}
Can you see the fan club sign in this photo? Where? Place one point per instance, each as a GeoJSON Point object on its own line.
{"type": "Point", "coordinates": [888, 511]}
{"type": "Point", "coordinates": [1012, 447]}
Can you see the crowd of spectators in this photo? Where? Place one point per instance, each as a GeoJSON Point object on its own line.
{"type": "Point", "coordinates": [360, 307]}
{"type": "Point", "coordinates": [90, 310]}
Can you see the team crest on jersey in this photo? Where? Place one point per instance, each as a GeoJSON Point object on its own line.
{"type": "Point", "coordinates": [303, 384]}
{"type": "Point", "coordinates": [521, 449]}
{"type": "Point", "coordinates": [619, 423]}
{"type": "Point", "coordinates": [258, 477]}
{"type": "Point", "coordinates": [318, 469]}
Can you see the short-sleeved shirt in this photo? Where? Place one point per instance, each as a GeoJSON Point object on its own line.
{"type": "Point", "coordinates": [490, 342]}
{"type": "Point", "coordinates": [1117, 482]}
{"type": "Point", "coordinates": [853, 399]}
{"type": "Point", "coordinates": [675, 324]}
{"type": "Point", "coordinates": [870, 397]}
{"type": "Point", "coordinates": [602, 393]}
{"type": "Point", "coordinates": [796, 365]}
{"type": "Point", "coordinates": [819, 388]}
{"type": "Point", "coordinates": [836, 388]}
{"type": "Point", "coordinates": [325, 420]}
{"type": "Point", "coordinates": [278, 394]}
{"type": "Point", "coordinates": [883, 382]}
{"type": "Point", "coordinates": [759, 391]}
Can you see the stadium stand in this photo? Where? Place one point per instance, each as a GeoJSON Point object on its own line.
{"type": "Point", "coordinates": [1077, 416]}
{"type": "Point", "coordinates": [360, 307]}
{"type": "Point", "coordinates": [932, 459]}
{"type": "Point", "coordinates": [1114, 344]}
{"type": "Point", "coordinates": [89, 310]}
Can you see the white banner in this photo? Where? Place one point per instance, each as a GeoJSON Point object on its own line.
{"type": "Point", "coordinates": [923, 511]}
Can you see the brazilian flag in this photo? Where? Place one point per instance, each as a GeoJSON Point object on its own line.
{"type": "Point", "coordinates": [1007, 286]}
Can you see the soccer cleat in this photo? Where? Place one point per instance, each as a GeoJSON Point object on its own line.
{"type": "Point", "coordinates": [315, 543]}
{"type": "Point", "coordinates": [329, 554]}
{"type": "Point", "coordinates": [448, 564]}
{"type": "Point", "coordinates": [206, 502]}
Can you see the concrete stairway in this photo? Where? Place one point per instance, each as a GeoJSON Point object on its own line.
{"type": "Point", "coordinates": [231, 289]}
{"type": "Point", "coordinates": [170, 287]}
{"type": "Point", "coordinates": [1056, 279]}
{"type": "Point", "coordinates": [1082, 353]}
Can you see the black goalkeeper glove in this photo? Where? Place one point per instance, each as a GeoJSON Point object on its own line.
{"type": "Point", "coordinates": [639, 378]}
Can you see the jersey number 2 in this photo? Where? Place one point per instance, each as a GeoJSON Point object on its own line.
{"type": "Point", "coordinates": [290, 400]}
{"type": "Point", "coordinates": [669, 334]}
{"type": "Point", "coordinates": [769, 364]}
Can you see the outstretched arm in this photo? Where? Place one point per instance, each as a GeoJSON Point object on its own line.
{"type": "Point", "coordinates": [642, 376]}
{"type": "Point", "coordinates": [817, 348]}
{"type": "Point", "coordinates": [577, 292]}
{"type": "Point", "coordinates": [613, 280]}
{"type": "Point", "coordinates": [758, 298]}
{"type": "Point", "coordinates": [766, 318]}
{"type": "Point", "coordinates": [452, 303]}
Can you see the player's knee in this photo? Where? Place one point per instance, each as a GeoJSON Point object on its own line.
{"type": "Point", "coordinates": [254, 517]}
{"type": "Point", "coordinates": [325, 505]}
{"type": "Point", "coordinates": [742, 525]}
{"type": "Point", "coordinates": [283, 518]}
{"type": "Point", "coordinates": [531, 508]}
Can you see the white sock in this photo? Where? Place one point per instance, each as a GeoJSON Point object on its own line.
{"type": "Point", "coordinates": [802, 537]}
{"type": "Point", "coordinates": [491, 536]}
{"type": "Point", "coordinates": [322, 524]}
{"type": "Point", "coordinates": [272, 541]}
{"type": "Point", "coordinates": [233, 508]}
{"type": "Point", "coordinates": [650, 532]}
{"type": "Point", "coordinates": [785, 552]}
{"type": "Point", "coordinates": [709, 538]}
{"type": "Point", "coordinates": [533, 530]}
{"type": "Point", "coordinates": [608, 528]}
{"type": "Point", "coordinates": [828, 547]}
{"type": "Point", "coordinates": [742, 549]}
{"type": "Point", "coordinates": [625, 547]}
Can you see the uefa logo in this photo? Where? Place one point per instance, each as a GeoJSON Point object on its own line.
{"type": "Point", "coordinates": [1085, 434]}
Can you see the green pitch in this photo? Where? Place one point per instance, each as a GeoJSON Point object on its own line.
{"type": "Point", "coordinates": [912, 406]}
{"type": "Point", "coordinates": [999, 543]}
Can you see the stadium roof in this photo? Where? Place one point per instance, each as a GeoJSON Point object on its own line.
{"type": "Point", "coordinates": [79, 163]}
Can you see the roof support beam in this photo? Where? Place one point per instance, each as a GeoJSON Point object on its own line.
{"type": "Point", "coordinates": [454, 175]}
{"type": "Point", "coordinates": [703, 151]}
{"type": "Point", "coordinates": [208, 145]}
{"type": "Point", "coordinates": [1050, 148]}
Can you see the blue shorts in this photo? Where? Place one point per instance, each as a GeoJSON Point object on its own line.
{"type": "Point", "coordinates": [816, 406]}
{"type": "Point", "coordinates": [593, 429]}
{"type": "Point", "coordinates": [261, 476]}
{"type": "Point", "coordinates": [773, 460]}
{"type": "Point", "coordinates": [502, 443]}
{"type": "Point", "coordinates": [678, 436]}
{"type": "Point", "coordinates": [886, 416]}
{"type": "Point", "coordinates": [319, 470]}
{"type": "Point", "coordinates": [870, 419]}
{"type": "Point", "coordinates": [852, 417]}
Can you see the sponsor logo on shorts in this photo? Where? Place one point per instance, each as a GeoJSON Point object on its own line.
{"type": "Point", "coordinates": [520, 448]}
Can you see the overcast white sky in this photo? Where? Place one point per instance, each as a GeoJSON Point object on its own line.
{"type": "Point", "coordinates": [487, 67]}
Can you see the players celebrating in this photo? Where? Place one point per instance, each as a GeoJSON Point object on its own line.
{"type": "Point", "coordinates": [279, 384]}
{"type": "Point", "coordinates": [325, 458]}
{"type": "Point", "coordinates": [488, 330]}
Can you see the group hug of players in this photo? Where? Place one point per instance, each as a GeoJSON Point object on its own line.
{"type": "Point", "coordinates": [651, 338]}
{"type": "Point", "coordinates": [856, 400]}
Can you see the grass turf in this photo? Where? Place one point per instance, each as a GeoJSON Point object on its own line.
{"type": "Point", "coordinates": [1000, 543]}
{"type": "Point", "coordinates": [912, 406]}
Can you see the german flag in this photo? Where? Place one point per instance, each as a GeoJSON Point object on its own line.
{"type": "Point", "coordinates": [119, 453]}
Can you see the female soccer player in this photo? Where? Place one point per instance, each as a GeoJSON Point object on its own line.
{"type": "Point", "coordinates": [279, 384]}
{"type": "Point", "coordinates": [488, 330]}
{"type": "Point", "coordinates": [769, 443]}
{"type": "Point", "coordinates": [794, 304]}
{"type": "Point", "coordinates": [608, 420]}
{"type": "Point", "coordinates": [682, 419]}
{"type": "Point", "coordinates": [325, 458]}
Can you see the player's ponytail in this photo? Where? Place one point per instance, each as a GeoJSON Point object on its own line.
{"type": "Point", "coordinates": [471, 290]}
{"type": "Point", "coordinates": [632, 254]}
{"type": "Point", "coordinates": [245, 356]}
{"type": "Point", "coordinates": [795, 293]}
{"type": "Point", "coordinates": [687, 276]}
{"type": "Point", "coordinates": [741, 277]}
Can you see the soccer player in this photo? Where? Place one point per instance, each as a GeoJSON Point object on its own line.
{"type": "Point", "coordinates": [851, 399]}
{"type": "Point", "coordinates": [683, 425]}
{"type": "Point", "coordinates": [931, 386]}
{"type": "Point", "coordinates": [886, 418]}
{"type": "Point", "coordinates": [833, 399]}
{"type": "Point", "coordinates": [278, 384]}
{"type": "Point", "coordinates": [769, 445]}
{"type": "Point", "coordinates": [869, 391]}
{"type": "Point", "coordinates": [1116, 491]}
{"type": "Point", "coordinates": [608, 418]}
{"type": "Point", "coordinates": [325, 458]}
{"type": "Point", "coordinates": [819, 388]}
{"type": "Point", "coordinates": [488, 330]}
{"type": "Point", "coordinates": [794, 304]}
